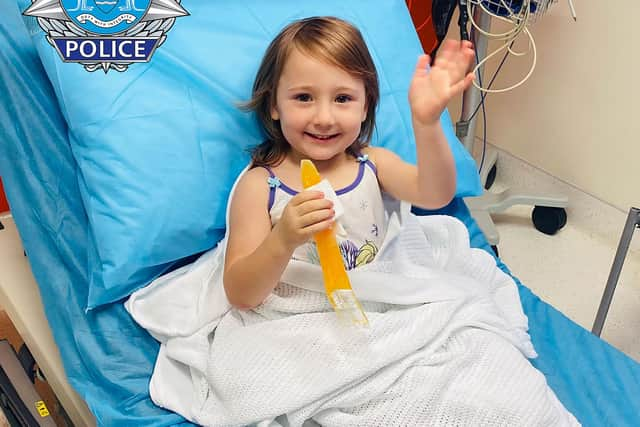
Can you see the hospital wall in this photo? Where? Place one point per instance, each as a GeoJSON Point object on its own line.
{"type": "Point", "coordinates": [577, 117]}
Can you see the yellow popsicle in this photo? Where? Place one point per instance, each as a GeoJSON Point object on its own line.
{"type": "Point", "coordinates": [336, 282]}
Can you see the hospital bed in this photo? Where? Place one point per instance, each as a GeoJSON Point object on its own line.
{"type": "Point", "coordinates": [104, 355]}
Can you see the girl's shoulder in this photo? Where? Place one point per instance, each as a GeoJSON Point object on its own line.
{"type": "Point", "coordinates": [253, 180]}
{"type": "Point", "coordinates": [376, 154]}
{"type": "Point", "coordinates": [251, 193]}
{"type": "Point", "coordinates": [255, 174]}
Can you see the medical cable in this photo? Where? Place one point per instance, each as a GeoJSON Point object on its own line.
{"type": "Point", "coordinates": [520, 20]}
{"type": "Point", "coordinates": [493, 78]}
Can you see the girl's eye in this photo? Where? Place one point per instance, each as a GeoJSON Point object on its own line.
{"type": "Point", "coordinates": [303, 97]}
{"type": "Point", "coordinates": [341, 99]}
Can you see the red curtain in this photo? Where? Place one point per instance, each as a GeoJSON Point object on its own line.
{"type": "Point", "coordinates": [420, 11]}
{"type": "Point", "coordinates": [4, 206]}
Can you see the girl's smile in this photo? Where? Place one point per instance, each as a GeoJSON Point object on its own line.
{"type": "Point", "coordinates": [322, 138]}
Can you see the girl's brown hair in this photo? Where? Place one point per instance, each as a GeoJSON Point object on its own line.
{"type": "Point", "coordinates": [329, 39]}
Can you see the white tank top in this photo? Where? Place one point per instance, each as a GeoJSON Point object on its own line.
{"type": "Point", "coordinates": [361, 229]}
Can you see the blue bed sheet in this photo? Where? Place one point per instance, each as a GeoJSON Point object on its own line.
{"type": "Point", "coordinates": [109, 359]}
{"type": "Point", "coordinates": [106, 356]}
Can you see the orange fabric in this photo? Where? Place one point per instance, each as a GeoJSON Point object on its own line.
{"type": "Point", "coordinates": [4, 205]}
{"type": "Point", "coordinates": [420, 11]}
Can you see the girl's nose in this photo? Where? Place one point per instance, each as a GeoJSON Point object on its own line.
{"type": "Point", "coordinates": [324, 115]}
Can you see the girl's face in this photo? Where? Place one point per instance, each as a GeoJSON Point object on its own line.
{"type": "Point", "coordinates": [320, 107]}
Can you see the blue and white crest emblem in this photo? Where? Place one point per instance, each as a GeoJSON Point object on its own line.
{"type": "Point", "coordinates": [106, 34]}
{"type": "Point", "coordinates": [105, 16]}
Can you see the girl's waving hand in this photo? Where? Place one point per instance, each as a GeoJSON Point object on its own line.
{"type": "Point", "coordinates": [432, 88]}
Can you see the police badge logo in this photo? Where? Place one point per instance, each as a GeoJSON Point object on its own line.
{"type": "Point", "coordinates": [106, 34]}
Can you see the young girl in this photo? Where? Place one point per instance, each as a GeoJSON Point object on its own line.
{"type": "Point", "coordinates": [316, 94]}
{"type": "Point", "coordinates": [447, 341]}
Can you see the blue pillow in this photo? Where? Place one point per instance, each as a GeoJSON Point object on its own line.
{"type": "Point", "coordinates": [159, 146]}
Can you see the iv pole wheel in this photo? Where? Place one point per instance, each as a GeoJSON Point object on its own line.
{"type": "Point", "coordinates": [491, 177]}
{"type": "Point", "coordinates": [549, 220]}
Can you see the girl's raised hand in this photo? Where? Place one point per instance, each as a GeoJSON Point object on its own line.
{"type": "Point", "coordinates": [431, 90]}
{"type": "Point", "coordinates": [307, 213]}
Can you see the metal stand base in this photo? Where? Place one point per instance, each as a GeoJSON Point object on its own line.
{"type": "Point", "coordinates": [633, 221]}
{"type": "Point", "coordinates": [483, 206]}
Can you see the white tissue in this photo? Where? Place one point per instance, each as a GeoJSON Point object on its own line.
{"type": "Point", "coordinates": [325, 187]}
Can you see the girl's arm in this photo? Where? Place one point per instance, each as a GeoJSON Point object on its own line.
{"type": "Point", "coordinates": [257, 254]}
{"type": "Point", "coordinates": [432, 183]}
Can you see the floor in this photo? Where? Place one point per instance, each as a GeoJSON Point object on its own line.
{"type": "Point", "coordinates": [569, 270]}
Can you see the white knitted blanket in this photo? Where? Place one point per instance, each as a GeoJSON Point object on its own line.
{"type": "Point", "coordinates": [448, 342]}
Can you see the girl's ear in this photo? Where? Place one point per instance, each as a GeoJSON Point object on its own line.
{"type": "Point", "coordinates": [274, 113]}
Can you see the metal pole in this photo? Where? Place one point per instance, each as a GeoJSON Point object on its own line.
{"type": "Point", "coordinates": [633, 220]}
{"type": "Point", "coordinates": [465, 128]}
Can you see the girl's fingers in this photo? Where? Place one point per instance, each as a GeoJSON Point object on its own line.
{"type": "Point", "coordinates": [457, 67]}
{"type": "Point", "coordinates": [319, 226]}
{"type": "Point", "coordinates": [449, 45]}
{"type": "Point", "coordinates": [423, 63]}
{"type": "Point", "coordinates": [463, 62]}
{"type": "Point", "coordinates": [314, 205]}
{"type": "Point", "coordinates": [462, 70]}
{"type": "Point", "coordinates": [305, 196]}
{"type": "Point", "coordinates": [449, 48]}
{"type": "Point", "coordinates": [455, 54]}
{"type": "Point", "coordinates": [316, 216]}
{"type": "Point", "coordinates": [463, 84]}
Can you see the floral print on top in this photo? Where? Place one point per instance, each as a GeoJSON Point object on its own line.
{"type": "Point", "coordinates": [360, 231]}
